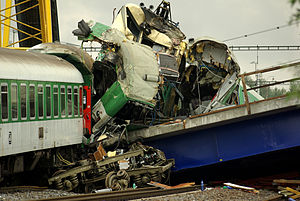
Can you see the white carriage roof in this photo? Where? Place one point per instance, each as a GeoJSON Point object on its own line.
{"type": "Point", "coordinates": [22, 65]}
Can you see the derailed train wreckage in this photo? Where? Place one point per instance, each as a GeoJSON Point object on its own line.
{"type": "Point", "coordinates": [145, 74]}
{"type": "Point", "coordinates": [140, 74]}
{"type": "Point", "coordinates": [140, 78]}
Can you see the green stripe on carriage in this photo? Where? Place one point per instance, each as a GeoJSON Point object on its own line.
{"type": "Point", "coordinates": [44, 84]}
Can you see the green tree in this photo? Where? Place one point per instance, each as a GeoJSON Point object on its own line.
{"type": "Point", "coordinates": [296, 15]}
{"type": "Point", "coordinates": [294, 87]}
{"type": "Point", "coordinates": [294, 90]}
{"type": "Point", "coordinates": [266, 92]}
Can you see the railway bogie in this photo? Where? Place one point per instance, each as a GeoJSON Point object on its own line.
{"type": "Point", "coordinates": [136, 167]}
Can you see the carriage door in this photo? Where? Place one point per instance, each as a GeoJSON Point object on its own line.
{"type": "Point", "coordinates": [86, 99]}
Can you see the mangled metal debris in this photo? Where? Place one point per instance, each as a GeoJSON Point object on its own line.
{"type": "Point", "coordinates": [211, 65]}
{"type": "Point", "coordinates": [136, 166]}
{"type": "Point", "coordinates": [146, 74]}
{"type": "Point", "coordinates": [142, 25]}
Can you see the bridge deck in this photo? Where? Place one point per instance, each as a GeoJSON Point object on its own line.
{"type": "Point", "coordinates": [227, 134]}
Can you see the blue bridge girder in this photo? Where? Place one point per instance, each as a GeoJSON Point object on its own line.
{"type": "Point", "coordinates": [253, 135]}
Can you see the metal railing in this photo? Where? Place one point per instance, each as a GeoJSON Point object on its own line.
{"type": "Point", "coordinates": [245, 89]}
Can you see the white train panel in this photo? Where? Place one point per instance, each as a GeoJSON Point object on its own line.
{"type": "Point", "coordinates": [22, 137]}
{"type": "Point", "coordinates": [21, 65]}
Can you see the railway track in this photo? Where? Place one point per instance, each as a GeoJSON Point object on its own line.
{"type": "Point", "coordinates": [12, 189]}
{"type": "Point", "coordinates": [126, 194]}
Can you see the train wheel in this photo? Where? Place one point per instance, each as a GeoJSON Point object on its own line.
{"type": "Point", "coordinates": [107, 179]}
{"type": "Point", "coordinates": [117, 181]}
{"type": "Point", "coordinates": [59, 184]}
{"type": "Point", "coordinates": [124, 179]}
{"type": "Point", "coordinates": [112, 181]}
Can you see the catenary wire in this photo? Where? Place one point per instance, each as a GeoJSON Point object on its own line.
{"type": "Point", "coordinates": [263, 31]}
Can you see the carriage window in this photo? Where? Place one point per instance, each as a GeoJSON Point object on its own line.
{"type": "Point", "coordinates": [40, 101]}
{"type": "Point", "coordinates": [69, 100]}
{"type": "Point", "coordinates": [32, 101]}
{"type": "Point", "coordinates": [48, 101]}
{"type": "Point", "coordinates": [55, 100]}
{"type": "Point", "coordinates": [4, 102]}
{"type": "Point", "coordinates": [14, 101]}
{"type": "Point", "coordinates": [23, 101]}
{"type": "Point", "coordinates": [80, 101]}
{"type": "Point", "coordinates": [76, 101]}
{"type": "Point", "coordinates": [84, 100]}
{"type": "Point", "coordinates": [63, 101]}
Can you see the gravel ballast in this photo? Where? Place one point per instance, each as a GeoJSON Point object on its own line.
{"type": "Point", "coordinates": [217, 194]}
{"type": "Point", "coordinates": [34, 195]}
{"type": "Point", "coordinates": [210, 194]}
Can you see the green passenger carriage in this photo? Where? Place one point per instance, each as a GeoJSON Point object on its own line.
{"type": "Point", "coordinates": [41, 108]}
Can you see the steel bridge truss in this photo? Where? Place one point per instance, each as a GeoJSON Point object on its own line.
{"type": "Point", "coordinates": [265, 48]}
{"type": "Point", "coordinates": [43, 34]}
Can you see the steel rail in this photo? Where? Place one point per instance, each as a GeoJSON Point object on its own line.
{"type": "Point", "coordinates": [126, 194]}
{"type": "Point", "coordinates": [21, 188]}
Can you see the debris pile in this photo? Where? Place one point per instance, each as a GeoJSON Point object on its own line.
{"type": "Point", "coordinates": [146, 73]}
{"type": "Point", "coordinates": [117, 170]}
{"type": "Point", "coordinates": [288, 188]}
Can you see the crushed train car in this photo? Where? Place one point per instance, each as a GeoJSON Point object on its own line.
{"type": "Point", "coordinates": [211, 65]}
{"type": "Point", "coordinates": [147, 74]}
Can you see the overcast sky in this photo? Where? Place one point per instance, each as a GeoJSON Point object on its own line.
{"type": "Point", "coordinates": [221, 19]}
